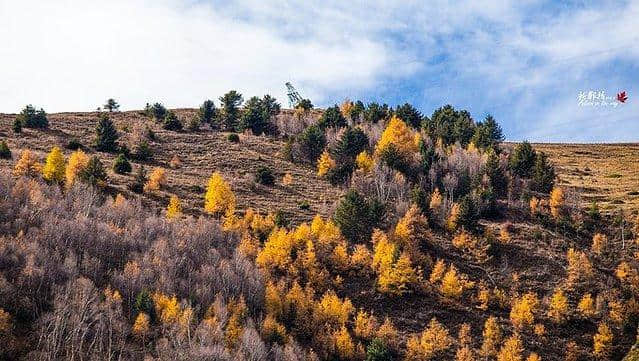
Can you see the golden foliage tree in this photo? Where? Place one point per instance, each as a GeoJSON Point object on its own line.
{"type": "Point", "coordinates": [599, 244]}
{"type": "Point", "coordinates": [587, 306]}
{"type": "Point", "coordinates": [557, 202]}
{"type": "Point", "coordinates": [491, 338]}
{"type": "Point", "coordinates": [77, 162]}
{"type": "Point", "coordinates": [5, 321]}
{"type": "Point", "coordinates": [453, 217]}
{"type": "Point", "coordinates": [344, 345]}
{"type": "Point", "coordinates": [219, 198]}
{"type": "Point", "coordinates": [365, 325]}
{"type": "Point", "coordinates": [465, 353]}
{"type": "Point", "coordinates": [523, 310]}
{"type": "Point", "coordinates": [287, 179]}
{"type": "Point", "coordinates": [558, 308]}
{"type": "Point", "coordinates": [273, 331]}
{"type": "Point", "coordinates": [579, 266]}
{"type": "Point", "coordinates": [511, 350]}
{"type": "Point", "coordinates": [141, 326]}
{"type": "Point", "coordinates": [156, 181]}
{"type": "Point", "coordinates": [174, 209]}
{"type": "Point", "coordinates": [325, 163]}
{"type": "Point", "coordinates": [534, 205]}
{"type": "Point", "coordinates": [364, 162]}
{"type": "Point", "coordinates": [235, 324]}
{"type": "Point", "coordinates": [396, 277]}
{"type": "Point", "coordinates": [452, 285]}
{"type": "Point", "coordinates": [399, 135]}
{"type": "Point", "coordinates": [331, 310]}
{"type": "Point", "coordinates": [27, 165]}
{"type": "Point", "coordinates": [602, 341]}
{"type": "Point", "coordinates": [54, 167]}
{"type": "Point", "coordinates": [410, 230]}
{"type": "Point", "coordinates": [437, 273]}
{"type": "Point", "coordinates": [433, 340]}
{"type": "Point", "coordinates": [533, 357]}
{"type": "Point", "coordinates": [388, 333]}
{"type": "Point", "coordinates": [436, 200]}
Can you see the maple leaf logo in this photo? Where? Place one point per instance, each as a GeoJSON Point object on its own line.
{"type": "Point", "coordinates": [621, 97]}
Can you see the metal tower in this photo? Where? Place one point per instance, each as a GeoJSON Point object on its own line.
{"type": "Point", "coordinates": [293, 96]}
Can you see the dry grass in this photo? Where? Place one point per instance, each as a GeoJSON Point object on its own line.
{"type": "Point", "coordinates": [604, 173]}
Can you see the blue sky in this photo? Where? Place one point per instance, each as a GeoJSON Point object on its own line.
{"type": "Point", "coordinates": [524, 62]}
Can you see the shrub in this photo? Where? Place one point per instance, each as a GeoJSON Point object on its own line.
{"type": "Point", "coordinates": [522, 160]}
{"type": "Point", "coordinates": [111, 105]}
{"type": "Point", "coordinates": [543, 174]}
{"type": "Point", "coordinates": [5, 152]}
{"type": "Point", "coordinates": [106, 135]}
{"type": "Point", "coordinates": [219, 198]}
{"type": "Point", "coordinates": [171, 122]}
{"type": "Point", "coordinates": [356, 217]}
{"type": "Point", "coordinates": [156, 111]}
{"type": "Point", "coordinates": [27, 165]}
{"type": "Point", "coordinates": [143, 151]}
{"type": "Point", "coordinates": [32, 118]}
{"type": "Point", "coordinates": [17, 126]}
{"type": "Point", "coordinates": [139, 180]}
{"type": "Point", "coordinates": [229, 112]}
{"type": "Point", "coordinates": [378, 351]}
{"type": "Point", "coordinates": [312, 142]}
{"type": "Point", "coordinates": [93, 173]}
{"type": "Point", "coordinates": [156, 181]}
{"type": "Point", "coordinates": [54, 167]}
{"type": "Point", "coordinates": [194, 124]}
{"type": "Point", "coordinates": [409, 114]}
{"type": "Point", "coordinates": [73, 144]}
{"type": "Point", "coordinates": [233, 138]}
{"type": "Point", "coordinates": [264, 175]}
{"type": "Point", "coordinates": [332, 117]}
{"type": "Point", "coordinates": [121, 165]}
{"type": "Point", "coordinates": [207, 111]}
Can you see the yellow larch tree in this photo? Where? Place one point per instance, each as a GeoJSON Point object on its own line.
{"type": "Point", "coordinates": [599, 244]}
{"type": "Point", "coordinates": [235, 324]}
{"type": "Point", "coordinates": [273, 331]}
{"type": "Point", "coordinates": [219, 198]}
{"type": "Point", "coordinates": [533, 357]}
{"type": "Point", "coordinates": [511, 350]}
{"type": "Point", "coordinates": [465, 335]}
{"type": "Point", "coordinates": [579, 266]}
{"type": "Point", "coordinates": [365, 325]}
{"type": "Point", "coordinates": [156, 181]}
{"type": "Point", "coordinates": [397, 277]}
{"type": "Point", "coordinates": [452, 285]}
{"type": "Point", "coordinates": [453, 217]}
{"type": "Point", "coordinates": [399, 135]}
{"type": "Point", "coordinates": [287, 179]}
{"type": "Point", "coordinates": [325, 163]}
{"type": "Point", "coordinates": [522, 313]}
{"type": "Point", "coordinates": [141, 326]}
{"type": "Point", "coordinates": [54, 167]}
{"type": "Point", "coordinates": [409, 231]}
{"type": "Point", "coordinates": [433, 340]}
{"type": "Point", "coordinates": [465, 353]}
{"type": "Point", "coordinates": [5, 321]}
{"type": "Point", "coordinates": [602, 341]}
{"type": "Point", "coordinates": [332, 310]}
{"type": "Point", "coordinates": [436, 200]}
{"type": "Point", "coordinates": [77, 162]}
{"type": "Point", "coordinates": [437, 273]}
{"type": "Point", "coordinates": [174, 209]}
{"type": "Point", "coordinates": [27, 165]}
{"type": "Point", "coordinates": [558, 307]}
{"type": "Point", "coordinates": [344, 344]}
{"type": "Point", "coordinates": [364, 162]}
{"type": "Point", "coordinates": [557, 202]}
{"type": "Point", "coordinates": [491, 338]}
{"type": "Point", "coordinates": [534, 205]}
{"type": "Point", "coordinates": [587, 306]}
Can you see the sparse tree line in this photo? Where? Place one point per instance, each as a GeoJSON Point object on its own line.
{"type": "Point", "coordinates": [247, 286]}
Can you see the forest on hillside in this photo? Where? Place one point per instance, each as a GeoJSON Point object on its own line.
{"type": "Point", "coordinates": [443, 244]}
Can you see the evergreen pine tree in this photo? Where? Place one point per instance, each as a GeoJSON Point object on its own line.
{"type": "Point", "coordinates": [94, 173]}
{"type": "Point", "coordinates": [106, 135]}
{"type": "Point", "coordinates": [121, 165]}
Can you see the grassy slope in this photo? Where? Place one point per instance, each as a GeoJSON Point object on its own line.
{"type": "Point", "coordinates": [201, 154]}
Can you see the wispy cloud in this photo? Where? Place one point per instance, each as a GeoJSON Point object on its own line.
{"type": "Point", "coordinates": [523, 61]}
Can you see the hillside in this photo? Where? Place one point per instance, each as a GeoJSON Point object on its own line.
{"type": "Point", "coordinates": [251, 290]}
{"type": "Point", "coordinates": [200, 154]}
